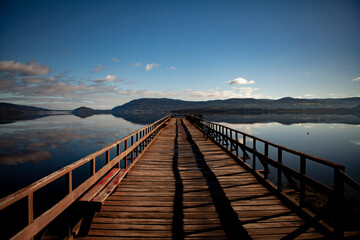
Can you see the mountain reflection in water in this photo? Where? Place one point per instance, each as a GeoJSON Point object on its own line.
{"type": "Point", "coordinates": [35, 148]}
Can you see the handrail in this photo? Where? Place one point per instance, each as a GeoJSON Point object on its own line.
{"type": "Point", "coordinates": [310, 157]}
{"type": "Point", "coordinates": [143, 138]}
{"type": "Point", "coordinates": [351, 182]}
{"type": "Point", "coordinates": [228, 139]}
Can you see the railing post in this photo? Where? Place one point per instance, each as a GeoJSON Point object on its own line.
{"type": "Point", "coordinates": [118, 153]}
{"type": "Point", "coordinates": [237, 143]}
{"type": "Point", "coordinates": [244, 143]}
{"type": "Point", "coordinates": [339, 203]}
{"type": "Point", "coordinates": [30, 208]}
{"type": "Point", "coordinates": [279, 180]}
{"type": "Point", "coordinates": [126, 146]}
{"type": "Point", "coordinates": [217, 132]}
{"type": "Point", "coordinates": [254, 156]}
{"type": "Point", "coordinates": [227, 140]}
{"type": "Point", "coordinates": [302, 184]}
{"type": "Point", "coordinates": [107, 156]}
{"type": "Point", "coordinates": [92, 167]}
{"type": "Point", "coordinates": [141, 144]}
{"type": "Point", "coordinates": [136, 150]}
{"type": "Point", "coordinates": [68, 181]}
{"type": "Point", "coordinates": [266, 165]}
{"type": "Point", "coordinates": [132, 152]}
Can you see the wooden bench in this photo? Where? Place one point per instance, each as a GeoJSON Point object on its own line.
{"type": "Point", "coordinates": [93, 200]}
{"type": "Point", "coordinates": [102, 189]}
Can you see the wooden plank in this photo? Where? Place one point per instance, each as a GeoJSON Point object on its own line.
{"type": "Point", "coordinates": [99, 186]}
{"type": "Point", "coordinates": [10, 199]}
{"type": "Point", "coordinates": [110, 187]}
{"type": "Point", "coordinates": [143, 204]}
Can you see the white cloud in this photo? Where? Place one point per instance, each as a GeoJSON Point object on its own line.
{"type": "Point", "coordinates": [137, 64]}
{"type": "Point", "coordinates": [30, 68]}
{"type": "Point", "coordinates": [35, 80]}
{"type": "Point", "coordinates": [240, 81]}
{"type": "Point", "coordinates": [34, 156]}
{"type": "Point", "coordinates": [99, 68]}
{"type": "Point", "coordinates": [172, 68]}
{"type": "Point", "coordinates": [211, 94]}
{"type": "Point", "coordinates": [151, 66]}
{"type": "Point", "coordinates": [355, 142]}
{"type": "Point", "coordinates": [338, 95]}
{"type": "Point", "coordinates": [108, 78]}
{"type": "Point", "coordinates": [115, 60]}
{"type": "Point", "coordinates": [147, 93]}
{"type": "Point", "coordinates": [309, 95]}
{"type": "Point", "coordinates": [356, 79]}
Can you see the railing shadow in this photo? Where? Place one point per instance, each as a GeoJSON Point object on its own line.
{"type": "Point", "coordinates": [178, 217]}
{"type": "Point", "coordinates": [229, 220]}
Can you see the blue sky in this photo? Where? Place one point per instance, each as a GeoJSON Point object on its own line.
{"type": "Point", "coordinates": [66, 54]}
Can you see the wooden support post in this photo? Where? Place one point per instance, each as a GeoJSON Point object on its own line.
{"type": "Point", "coordinates": [244, 143]}
{"type": "Point", "coordinates": [126, 146]}
{"type": "Point", "coordinates": [222, 134]}
{"type": "Point", "coordinates": [118, 153]}
{"type": "Point", "coordinates": [107, 156]}
{"type": "Point", "coordinates": [279, 180]}
{"type": "Point", "coordinates": [266, 166]}
{"type": "Point", "coordinates": [227, 138]}
{"type": "Point", "coordinates": [254, 156]}
{"type": "Point", "coordinates": [30, 208]}
{"type": "Point", "coordinates": [302, 184]}
{"type": "Point", "coordinates": [92, 167]}
{"type": "Point", "coordinates": [339, 203]}
{"type": "Point", "coordinates": [136, 150]}
{"type": "Point", "coordinates": [144, 141]}
{"type": "Point", "coordinates": [132, 152]}
{"type": "Point", "coordinates": [140, 144]}
{"type": "Point", "coordinates": [68, 181]}
{"type": "Point", "coordinates": [145, 133]}
{"type": "Point", "coordinates": [237, 145]}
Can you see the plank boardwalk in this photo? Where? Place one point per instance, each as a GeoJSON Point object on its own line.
{"type": "Point", "coordinates": [186, 187]}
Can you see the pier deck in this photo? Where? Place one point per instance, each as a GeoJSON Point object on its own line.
{"type": "Point", "coordinates": [186, 187]}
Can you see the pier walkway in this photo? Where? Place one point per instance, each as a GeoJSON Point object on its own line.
{"type": "Point", "coordinates": [186, 187]}
{"type": "Point", "coordinates": [187, 178]}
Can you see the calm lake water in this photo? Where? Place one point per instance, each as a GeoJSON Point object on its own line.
{"type": "Point", "coordinates": [33, 149]}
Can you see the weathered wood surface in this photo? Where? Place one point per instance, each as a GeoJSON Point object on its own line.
{"type": "Point", "coordinates": [99, 186]}
{"type": "Point", "coordinates": [184, 186]}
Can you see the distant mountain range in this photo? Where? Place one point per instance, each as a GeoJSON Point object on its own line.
{"type": "Point", "coordinates": [13, 112]}
{"type": "Point", "coordinates": [165, 104]}
{"type": "Point", "coordinates": [158, 107]}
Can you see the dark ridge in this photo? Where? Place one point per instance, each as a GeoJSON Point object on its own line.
{"type": "Point", "coordinates": [13, 112]}
{"type": "Point", "coordinates": [84, 112]}
{"type": "Point", "coordinates": [148, 105]}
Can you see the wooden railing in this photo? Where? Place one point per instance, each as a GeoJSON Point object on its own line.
{"type": "Point", "coordinates": [133, 146]}
{"type": "Point", "coordinates": [236, 143]}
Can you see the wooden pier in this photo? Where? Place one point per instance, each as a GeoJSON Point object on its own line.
{"type": "Point", "coordinates": [185, 186]}
{"type": "Point", "coordinates": [189, 179]}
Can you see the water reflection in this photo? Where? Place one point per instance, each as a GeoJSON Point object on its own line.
{"type": "Point", "coordinates": [334, 142]}
{"type": "Point", "coordinates": [286, 119]}
{"type": "Point", "coordinates": [35, 148]}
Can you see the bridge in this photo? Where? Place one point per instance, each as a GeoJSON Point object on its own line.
{"type": "Point", "coordinates": [188, 178]}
